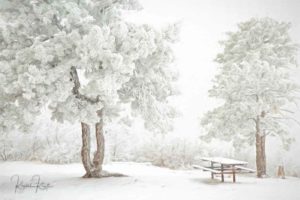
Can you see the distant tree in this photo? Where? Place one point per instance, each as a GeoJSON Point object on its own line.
{"type": "Point", "coordinates": [255, 86]}
{"type": "Point", "coordinates": [83, 60]}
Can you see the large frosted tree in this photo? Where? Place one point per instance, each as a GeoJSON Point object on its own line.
{"type": "Point", "coordinates": [84, 61]}
{"type": "Point", "coordinates": [254, 84]}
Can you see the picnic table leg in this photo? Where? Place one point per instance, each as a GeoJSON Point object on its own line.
{"type": "Point", "coordinates": [222, 174]}
{"type": "Point", "coordinates": [212, 167]}
{"type": "Point", "coordinates": [233, 173]}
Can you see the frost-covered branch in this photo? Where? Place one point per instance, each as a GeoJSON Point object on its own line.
{"type": "Point", "coordinates": [75, 90]}
{"type": "Point", "coordinates": [285, 118]}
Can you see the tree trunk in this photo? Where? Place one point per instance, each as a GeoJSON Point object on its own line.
{"type": "Point", "coordinates": [260, 150]}
{"type": "Point", "coordinates": [280, 172]}
{"type": "Point", "coordinates": [99, 154]}
{"type": "Point", "coordinates": [85, 150]}
{"type": "Point", "coordinates": [93, 169]}
{"type": "Point", "coordinates": [263, 150]}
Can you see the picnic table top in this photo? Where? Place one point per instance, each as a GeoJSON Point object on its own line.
{"type": "Point", "coordinates": [225, 161]}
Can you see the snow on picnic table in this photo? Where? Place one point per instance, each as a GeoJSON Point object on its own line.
{"type": "Point", "coordinates": [222, 160]}
{"type": "Point", "coordinates": [144, 182]}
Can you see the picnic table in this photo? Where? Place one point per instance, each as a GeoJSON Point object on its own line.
{"type": "Point", "coordinates": [220, 165]}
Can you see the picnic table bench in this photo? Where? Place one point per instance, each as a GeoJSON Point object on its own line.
{"type": "Point", "coordinates": [219, 165]}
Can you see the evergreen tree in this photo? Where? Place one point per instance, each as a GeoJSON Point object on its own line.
{"type": "Point", "coordinates": [255, 85]}
{"type": "Point", "coordinates": [83, 60]}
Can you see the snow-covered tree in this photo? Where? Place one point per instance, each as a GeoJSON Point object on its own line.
{"type": "Point", "coordinates": [255, 85]}
{"type": "Point", "coordinates": [83, 60]}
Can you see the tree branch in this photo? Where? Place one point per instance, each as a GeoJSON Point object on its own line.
{"type": "Point", "coordinates": [286, 110]}
{"type": "Point", "coordinates": [252, 119]}
{"type": "Point", "coordinates": [75, 90]}
{"type": "Point", "coordinates": [286, 118]}
{"type": "Point", "coordinates": [56, 22]}
{"type": "Point", "coordinates": [107, 3]}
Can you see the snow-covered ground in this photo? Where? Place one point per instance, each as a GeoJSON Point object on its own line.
{"type": "Point", "coordinates": [143, 182]}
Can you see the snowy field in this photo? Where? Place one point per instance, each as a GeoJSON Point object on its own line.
{"type": "Point", "coordinates": [143, 182]}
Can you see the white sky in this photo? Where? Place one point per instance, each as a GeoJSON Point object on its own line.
{"type": "Point", "coordinates": [204, 24]}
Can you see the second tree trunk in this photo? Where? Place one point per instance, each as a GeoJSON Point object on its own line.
{"type": "Point", "coordinates": [260, 151]}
